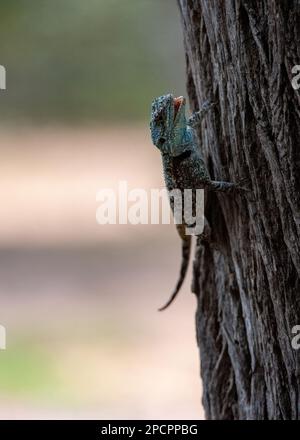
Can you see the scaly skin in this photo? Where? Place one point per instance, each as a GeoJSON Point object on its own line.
{"type": "Point", "coordinates": [183, 165]}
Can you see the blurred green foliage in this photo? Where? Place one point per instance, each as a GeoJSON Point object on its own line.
{"type": "Point", "coordinates": [27, 369]}
{"type": "Point", "coordinates": [75, 60]}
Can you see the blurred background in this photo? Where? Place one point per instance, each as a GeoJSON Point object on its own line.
{"type": "Point", "coordinates": [79, 300]}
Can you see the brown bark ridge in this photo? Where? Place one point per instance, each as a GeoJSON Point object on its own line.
{"type": "Point", "coordinates": [241, 54]}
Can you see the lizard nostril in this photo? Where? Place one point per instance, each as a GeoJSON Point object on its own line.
{"type": "Point", "coordinates": [162, 141]}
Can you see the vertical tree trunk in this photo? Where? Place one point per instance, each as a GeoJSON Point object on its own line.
{"type": "Point", "coordinates": [241, 54]}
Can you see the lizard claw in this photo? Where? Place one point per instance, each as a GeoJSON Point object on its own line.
{"type": "Point", "coordinates": [241, 182]}
{"type": "Point", "coordinates": [208, 104]}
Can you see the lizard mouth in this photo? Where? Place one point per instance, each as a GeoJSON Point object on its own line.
{"type": "Point", "coordinates": [177, 104]}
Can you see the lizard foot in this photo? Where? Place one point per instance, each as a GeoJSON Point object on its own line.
{"type": "Point", "coordinates": [240, 184]}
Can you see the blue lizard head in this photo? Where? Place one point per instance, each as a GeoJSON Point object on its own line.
{"type": "Point", "coordinates": [168, 123]}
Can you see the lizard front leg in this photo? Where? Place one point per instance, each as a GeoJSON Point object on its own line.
{"type": "Point", "coordinates": [197, 117]}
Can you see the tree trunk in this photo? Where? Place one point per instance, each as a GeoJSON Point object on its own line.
{"type": "Point", "coordinates": [240, 53]}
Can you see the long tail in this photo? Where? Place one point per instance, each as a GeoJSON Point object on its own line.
{"type": "Point", "coordinates": [186, 251]}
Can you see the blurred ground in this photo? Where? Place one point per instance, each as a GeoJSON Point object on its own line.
{"type": "Point", "coordinates": [79, 300]}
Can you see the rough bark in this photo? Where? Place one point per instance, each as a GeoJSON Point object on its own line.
{"type": "Point", "coordinates": [241, 53]}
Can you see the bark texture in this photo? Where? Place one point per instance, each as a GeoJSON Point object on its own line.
{"type": "Point", "coordinates": [241, 54]}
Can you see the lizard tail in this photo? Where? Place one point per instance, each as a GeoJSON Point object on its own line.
{"type": "Point", "coordinates": [186, 251]}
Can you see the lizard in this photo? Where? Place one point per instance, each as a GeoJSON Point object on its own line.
{"type": "Point", "coordinates": [183, 166]}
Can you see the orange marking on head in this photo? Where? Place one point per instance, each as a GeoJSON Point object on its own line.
{"type": "Point", "coordinates": [177, 104]}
